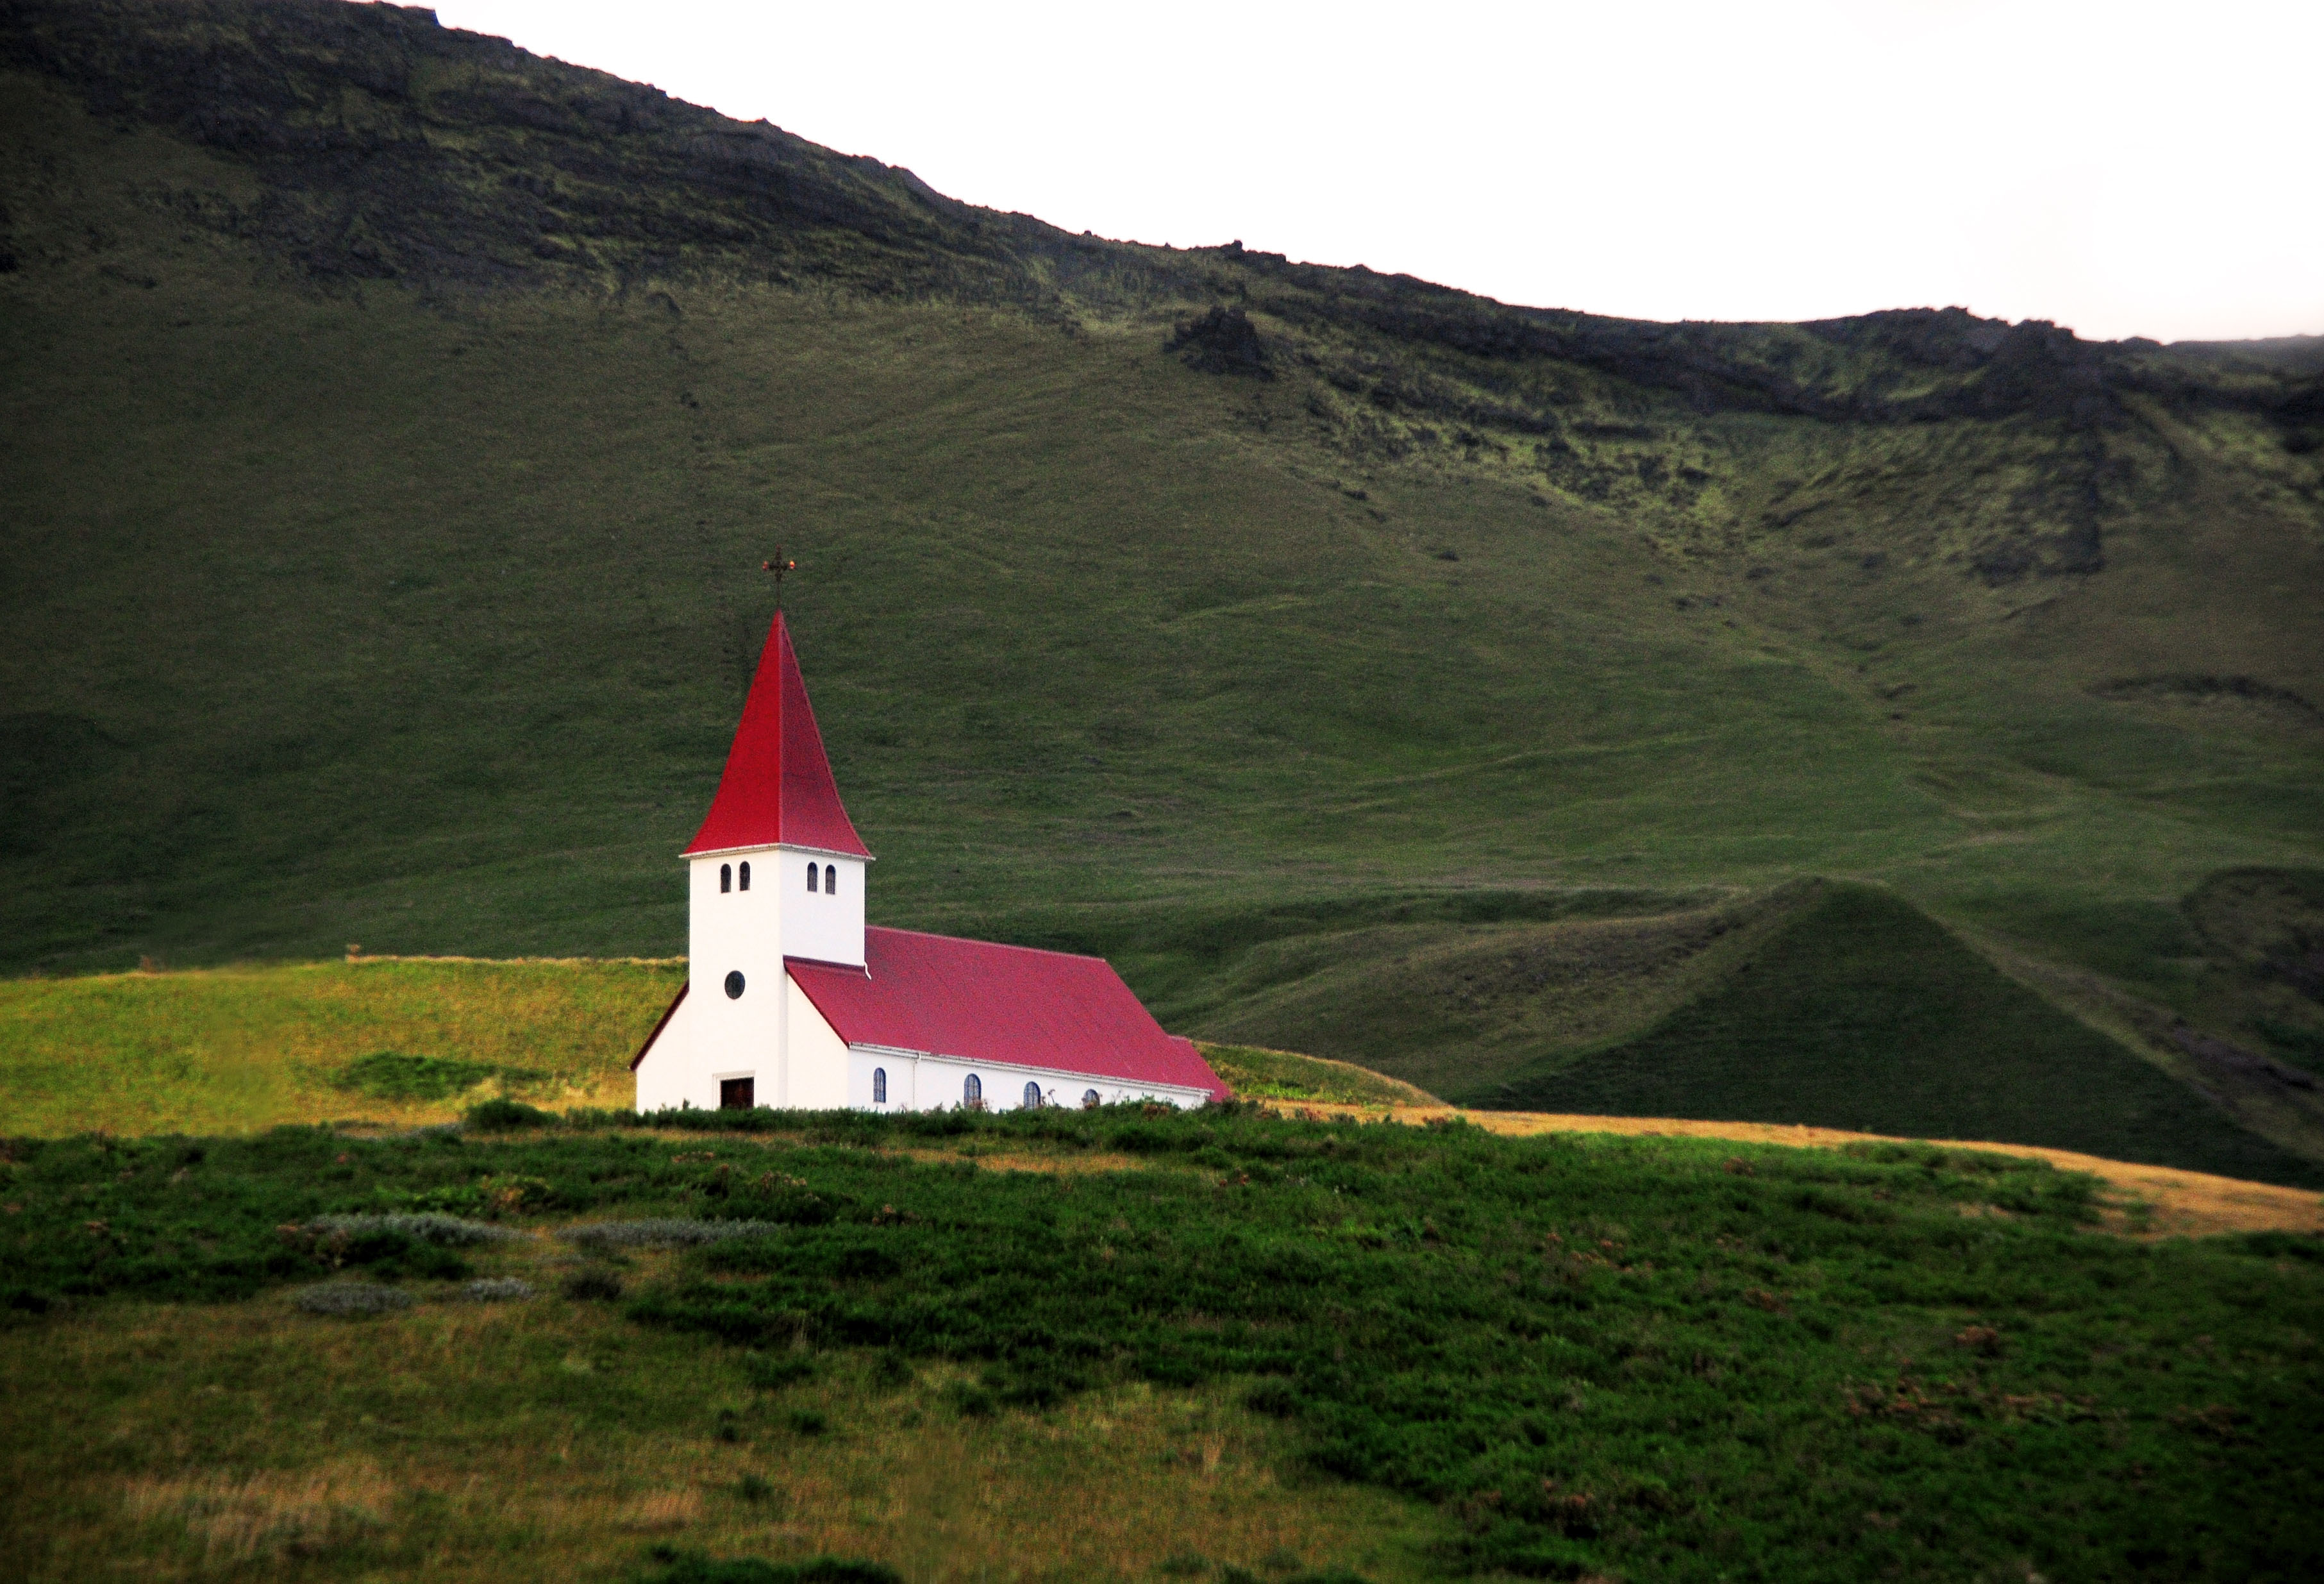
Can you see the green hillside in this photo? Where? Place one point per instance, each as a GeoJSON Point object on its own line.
{"type": "Point", "coordinates": [1858, 1007]}
{"type": "Point", "coordinates": [391, 422]}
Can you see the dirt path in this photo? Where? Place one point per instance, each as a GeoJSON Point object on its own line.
{"type": "Point", "coordinates": [2178, 1204]}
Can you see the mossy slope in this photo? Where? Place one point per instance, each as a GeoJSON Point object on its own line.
{"type": "Point", "coordinates": [1858, 1012]}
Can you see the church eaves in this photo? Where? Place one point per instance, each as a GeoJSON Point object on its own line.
{"type": "Point", "coordinates": [776, 787]}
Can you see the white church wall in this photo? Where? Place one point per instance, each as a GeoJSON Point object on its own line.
{"type": "Point", "coordinates": [669, 1077]}
{"type": "Point", "coordinates": [864, 1071]}
{"type": "Point", "coordinates": [736, 932]}
{"type": "Point", "coordinates": [821, 924]}
{"type": "Point", "coordinates": [938, 1083]}
{"type": "Point", "coordinates": [817, 1075]}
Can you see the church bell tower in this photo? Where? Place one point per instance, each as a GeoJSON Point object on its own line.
{"type": "Point", "coordinates": [775, 873]}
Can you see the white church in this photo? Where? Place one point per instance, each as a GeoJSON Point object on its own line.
{"type": "Point", "coordinates": [793, 1001]}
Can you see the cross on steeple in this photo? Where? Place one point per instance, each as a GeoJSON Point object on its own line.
{"type": "Point", "coordinates": [781, 569]}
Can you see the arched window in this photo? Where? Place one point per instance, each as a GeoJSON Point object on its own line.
{"type": "Point", "coordinates": [746, 878]}
{"type": "Point", "coordinates": [972, 1093]}
{"type": "Point", "coordinates": [831, 879]}
{"type": "Point", "coordinates": [1032, 1095]}
{"type": "Point", "coordinates": [1089, 1100]}
{"type": "Point", "coordinates": [879, 1085]}
{"type": "Point", "coordinates": [726, 877]}
{"type": "Point", "coordinates": [811, 876]}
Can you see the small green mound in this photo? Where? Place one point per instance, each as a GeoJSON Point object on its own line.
{"type": "Point", "coordinates": [673, 1567]}
{"type": "Point", "coordinates": [1256, 1074]}
{"type": "Point", "coordinates": [392, 1075]}
{"type": "Point", "coordinates": [1864, 1013]}
{"type": "Point", "coordinates": [508, 1116]}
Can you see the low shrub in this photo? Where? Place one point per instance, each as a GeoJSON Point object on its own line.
{"type": "Point", "coordinates": [350, 1298]}
{"type": "Point", "coordinates": [392, 1075]}
{"type": "Point", "coordinates": [1273, 1398]}
{"type": "Point", "coordinates": [772, 1372]}
{"type": "Point", "coordinates": [508, 1116]}
{"type": "Point", "coordinates": [662, 1232]}
{"type": "Point", "coordinates": [493, 1290]}
{"type": "Point", "coordinates": [594, 1286]}
{"type": "Point", "coordinates": [391, 1254]}
{"type": "Point", "coordinates": [675, 1567]}
{"type": "Point", "coordinates": [491, 1196]}
{"type": "Point", "coordinates": [423, 1226]}
{"type": "Point", "coordinates": [386, 1251]}
{"type": "Point", "coordinates": [970, 1401]}
{"type": "Point", "coordinates": [2299, 1245]}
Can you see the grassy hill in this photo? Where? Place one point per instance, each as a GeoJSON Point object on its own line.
{"type": "Point", "coordinates": [392, 420]}
{"type": "Point", "coordinates": [240, 1050]}
{"type": "Point", "coordinates": [1858, 1006]}
{"type": "Point", "coordinates": [1262, 1074]}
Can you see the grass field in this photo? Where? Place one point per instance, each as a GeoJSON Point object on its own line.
{"type": "Point", "coordinates": [242, 1050]}
{"type": "Point", "coordinates": [1250, 1345]}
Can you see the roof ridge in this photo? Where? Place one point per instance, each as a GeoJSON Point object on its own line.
{"type": "Point", "coordinates": [990, 945]}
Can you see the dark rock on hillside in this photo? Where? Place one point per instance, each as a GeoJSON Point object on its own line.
{"type": "Point", "coordinates": [1221, 342]}
{"type": "Point", "coordinates": [392, 146]}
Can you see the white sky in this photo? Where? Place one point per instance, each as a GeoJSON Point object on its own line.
{"type": "Point", "coordinates": [2126, 169]}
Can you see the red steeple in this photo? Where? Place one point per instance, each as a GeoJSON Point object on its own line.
{"type": "Point", "coordinates": [778, 785]}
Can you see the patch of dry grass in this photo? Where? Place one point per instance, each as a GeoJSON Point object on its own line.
{"type": "Point", "coordinates": [241, 1517]}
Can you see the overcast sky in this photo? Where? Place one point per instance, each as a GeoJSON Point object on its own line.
{"type": "Point", "coordinates": [2126, 169]}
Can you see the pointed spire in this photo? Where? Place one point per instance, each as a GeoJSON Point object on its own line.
{"type": "Point", "coordinates": [778, 784]}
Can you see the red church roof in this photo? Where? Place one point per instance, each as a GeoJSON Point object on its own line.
{"type": "Point", "coordinates": [778, 785]}
{"type": "Point", "coordinates": [978, 1001]}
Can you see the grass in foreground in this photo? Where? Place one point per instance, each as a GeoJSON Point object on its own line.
{"type": "Point", "coordinates": [1653, 1358]}
{"type": "Point", "coordinates": [552, 1439]}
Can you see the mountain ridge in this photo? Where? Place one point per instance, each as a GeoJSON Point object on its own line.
{"type": "Point", "coordinates": [357, 91]}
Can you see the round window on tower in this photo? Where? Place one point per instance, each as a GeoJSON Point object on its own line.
{"type": "Point", "coordinates": [734, 985]}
